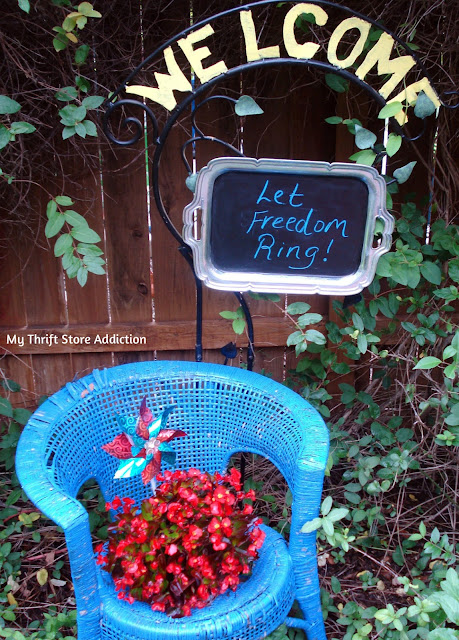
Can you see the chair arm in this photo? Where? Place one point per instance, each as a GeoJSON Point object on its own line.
{"type": "Point", "coordinates": [69, 514]}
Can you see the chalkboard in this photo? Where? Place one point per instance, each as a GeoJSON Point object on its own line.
{"type": "Point", "coordinates": [290, 226]}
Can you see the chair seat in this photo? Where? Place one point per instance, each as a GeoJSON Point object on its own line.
{"type": "Point", "coordinates": [257, 607]}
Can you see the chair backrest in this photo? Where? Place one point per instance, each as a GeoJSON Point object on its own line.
{"type": "Point", "coordinates": [223, 410]}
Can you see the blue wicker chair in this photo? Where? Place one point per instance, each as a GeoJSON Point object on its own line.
{"type": "Point", "coordinates": [223, 410]}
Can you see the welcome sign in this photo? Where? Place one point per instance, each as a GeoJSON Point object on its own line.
{"type": "Point", "coordinates": [383, 58]}
{"type": "Point", "coordinates": [287, 226]}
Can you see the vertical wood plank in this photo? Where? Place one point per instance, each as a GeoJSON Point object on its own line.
{"type": "Point", "coordinates": [89, 303]}
{"type": "Point", "coordinates": [128, 251]}
{"type": "Point", "coordinates": [19, 369]}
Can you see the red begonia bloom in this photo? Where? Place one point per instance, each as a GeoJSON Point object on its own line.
{"type": "Point", "coordinates": [180, 549]}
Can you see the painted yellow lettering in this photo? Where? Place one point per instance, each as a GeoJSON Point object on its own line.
{"type": "Point", "coordinates": [380, 55]}
{"type": "Point", "coordinates": [409, 95]}
{"type": "Point", "coordinates": [163, 93]}
{"type": "Point", "coordinates": [308, 49]}
{"type": "Point", "coordinates": [338, 33]}
{"type": "Point", "coordinates": [195, 56]}
{"type": "Point", "coordinates": [250, 38]}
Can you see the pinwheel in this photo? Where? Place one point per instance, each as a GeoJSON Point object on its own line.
{"type": "Point", "coordinates": [143, 444]}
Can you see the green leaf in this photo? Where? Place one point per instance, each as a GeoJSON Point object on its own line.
{"type": "Point", "coordinates": [64, 201]}
{"type": "Point", "coordinates": [338, 514]}
{"type": "Point", "coordinates": [364, 139]}
{"type": "Point", "coordinates": [62, 244]}
{"type": "Point", "coordinates": [5, 408]}
{"type": "Point", "coordinates": [311, 525]}
{"type": "Point", "coordinates": [85, 234]}
{"type": "Point", "coordinates": [393, 144]}
{"type": "Point", "coordinates": [429, 362]}
{"type": "Point", "coordinates": [308, 318]}
{"type": "Point", "coordinates": [21, 415]}
{"type": "Point", "coordinates": [326, 506]}
{"type": "Point", "coordinates": [74, 219]}
{"type": "Point", "coordinates": [334, 120]}
{"type": "Point", "coordinates": [365, 157]}
{"type": "Point", "coordinates": [390, 110]}
{"type": "Point", "coordinates": [7, 105]}
{"type": "Point", "coordinates": [362, 343]}
{"type": "Point", "coordinates": [229, 315]}
{"type": "Point", "coordinates": [66, 94]}
{"type": "Point", "coordinates": [312, 335]}
{"type": "Point", "coordinates": [297, 308]}
{"type": "Point", "coordinates": [68, 132]}
{"type": "Point", "coordinates": [93, 102]}
{"type": "Point", "coordinates": [22, 127]}
{"type": "Point", "coordinates": [82, 277]}
{"type": "Point", "coordinates": [246, 106]}
{"type": "Point", "coordinates": [60, 43]}
{"type": "Point", "coordinates": [89, 250]}
{"type": "Point", "coordinates": [336, 82]}
{"type": "Point", "coordinates": [5, 136]}
{"type": "Point", "coordinates": [24, 5]}
{"type": "Point", "coordinates": [424, 106]}
{"type": "Point", "coordinates": [402, 174]}
{"type": "Point", "coordinates": [335, 585]}
{"type": "Point", "coordinates": [90, 127]}
{"type": "Point", "coordinates": [431, 272]}
{"type": "Point", "coordinates": [80, 129]}
{"type": "Point", "coordinates": [10, 385]}
{"type": "Point", "coordinates": [81, 54]}
{"type": "Point", "coordinates": [239, 326]}
{"type": "Point", "coordinates": [191, 180]}
{"type": "Point", "coordinates": [83, 84]}
{"type": "Point", "coordinates": [54, 224]}
{"type": "Point", "coordinates": [87, 10]}
{"type": "Point", "coordinates": [98, 270]}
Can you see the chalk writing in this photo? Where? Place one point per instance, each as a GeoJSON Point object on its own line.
{"type": "Point", "coordinates": [306, 222]}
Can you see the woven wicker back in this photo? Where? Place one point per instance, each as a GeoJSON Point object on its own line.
{"type": "Point", "coordinates": [222, 410]}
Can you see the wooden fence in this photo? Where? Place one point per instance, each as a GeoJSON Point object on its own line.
{"type": "Point", "coordinates": [148, 294]}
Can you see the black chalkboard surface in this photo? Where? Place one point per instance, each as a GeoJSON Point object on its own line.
{"type": "Point", "coordinates": [287, 223]}
{"type": "Point", "coordinates": [287, 226]}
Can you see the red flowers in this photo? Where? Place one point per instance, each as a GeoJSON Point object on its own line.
{"type": "Point", "coordinates": [190, 542]}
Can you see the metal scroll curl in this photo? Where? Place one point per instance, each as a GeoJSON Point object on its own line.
{"type": "Point", "coordinates": [128, 121]}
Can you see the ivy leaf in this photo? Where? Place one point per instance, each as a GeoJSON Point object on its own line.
{"type": "Point", "coordinates": [89, 250]}
{"type": "Point", "coordinates": [82, 277]}
{"type": "Point", "coordinates": [334, 120]}
{"type": "Point", "coordinates": [85, 234]}
{"type": "Point", "coordinates": [364, 139]}
{"type": "Point", "coordinates": [62, 244]}
{"type": "Point", "coordinates": [336, 82]}
{"type": "Point", "coordinates": [429, 362]}
{"type": "Point", "coordinates": [24, 5]}
{"type": "Point", "coordinates": [54, 224]}
{"type": "Point", "coordinates": [93, 102]}
{"type": "Point", "coordinates": [90, 127]}
{"type": "Point", "coordinates": [75, 219]}
{"type": "Point", "coordinates": [403, 173]}
{"type": "Point", "coordinates": [246, 106]}
{"type": "Point", "coordinates": [364, 157]}
{"type": "Point", "coordinates": [5, 136]}
{"type": "Point", "coordinates": [64, 201]}
{"type": "Point", "coordinates": [191, 181]}
{"type": "Point", "coordinates": [66, 94]}
{"type": "Point", "coordinates": [7, 105]}
{"type": "Point", "coordinates": [297, 308]}
{"type": "Point", "coordinates": [80, 129]}
{"type": "Point", "coordinates": [68, 132]}
{"type": "Point", "coordinates": [424, 106]}
{"type": "Point", "coordinates": [239, 326]}
{"type": "Point", "coordinates": [312, 335]}
{"type": "Point", "coordinates": [87, 10]}
{"type": "Point", "coordinates": [393, 144]}
{"type": "Point", "coordinates": [229, 315]}
{"type": "Point", "coordinates": [81, 54]}
{"type": "Point", "coordinates": [431, 272]}
{"type": "Point", "coordinates": [312, 525]}
{"type": "Point", "coordinates": [5, 408]}
{"type": "Point", "coordinates": [390, 110]}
